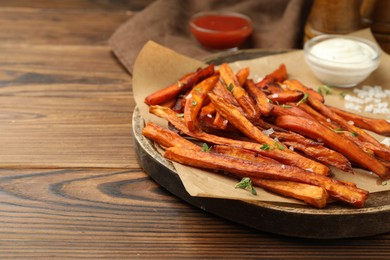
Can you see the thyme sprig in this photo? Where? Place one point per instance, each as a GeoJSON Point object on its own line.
{"type": "Point", "coordinates": [246, 184]}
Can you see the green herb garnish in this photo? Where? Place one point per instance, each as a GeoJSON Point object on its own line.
{"type": "Point", "coordinates": [324, 90]}
{"type": "Point", "coordinates": [181, 115]}
{"type": "Point", "coordinates": [265, 147]}
{"type": "Point", "coordinates": [303, 99]}
{"type": "Point", "coordinates": [246, 184]}
{"type": "Point", "coordinates": [206, 148]}
{"type": "Point", "coordinates": [354, 134]}
{"type": "Point", "coordinates": [340, 131]}
{"type": "Point", "coordinates": [279, 145]}
{"type": "Point", "coordinates": [230, 87]}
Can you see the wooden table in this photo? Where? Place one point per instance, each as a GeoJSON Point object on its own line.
{"type": "Point", "coordinates": [70, 184]}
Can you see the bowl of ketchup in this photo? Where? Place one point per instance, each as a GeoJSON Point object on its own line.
{"type": "Point", "coordinates": [220, 31]}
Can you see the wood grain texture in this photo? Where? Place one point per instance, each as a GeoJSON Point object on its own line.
{"type": "Point", "coordinates": [83, 26]}
{"type": "Point", "coordinates": [72, 69]}
{"type": "Point", "coordinates": [64, 107]}
{"type": "Point", "coordinates": [122, 214]}
{"type": "Point", "coordinates": [65, 117]}
{"type": "Point", "coordinates": [71, 132]}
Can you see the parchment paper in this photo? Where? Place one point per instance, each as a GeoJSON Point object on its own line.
{"type": "Point", "coordinates": [157, 67]}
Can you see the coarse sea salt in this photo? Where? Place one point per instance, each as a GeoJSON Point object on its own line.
{"type": "Point", "coordinates": [268, 132]}
{"type": "Point", "coordinates": [371, 99]}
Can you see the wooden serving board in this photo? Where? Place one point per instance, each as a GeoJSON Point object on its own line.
{"type": "Point", "coordinates": [335, 221]}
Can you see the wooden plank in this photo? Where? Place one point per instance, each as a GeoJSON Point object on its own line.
{"type": "Point", "coordinates": [64, 106]}
{"type": "Point", "coordinates": [66, 132]}
{"type": "Point", "coordinates": [122, 214]}
{"type": "Point", "coordinates": [59, 26]}
{"type": "Point", "coordinates": [42, 70]}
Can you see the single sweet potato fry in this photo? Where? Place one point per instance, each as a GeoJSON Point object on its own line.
{"type": "Point", "coordinates": [285, 96]}
{"type": "Point", "coordinates": [278, 75]}
{"type": "Point", "coordinates": [315, 130]}
{"type": "Point", "coordinates": [271, 88]}
{"type": "Point", "coordinates": [183, 84]}
{"type": "Point", "coordinates": [243, 168]}
{"type": "Point", "coordinates": [290, 109]}
{"type": "Point", "coordinates": [242, 75]}
{"type": "Point", "coordinates": [379, 126]}
{"type": "Point", "coordinates": [242, 153]}
{"type": "Point", "coordinates": [195, 99]}
{"type": "Point", "coordinates": [166, 137]}
{"type": "Point", "coordinates": [259, 97]}
{"type": "Point", "coordinates": [242, 97]}
{"type": "Point", "coordinates": [167, 93]}
{"type": "Point", "coordinates": [293, 84]}
{"type": "Point", "coordinates": [312, 195]}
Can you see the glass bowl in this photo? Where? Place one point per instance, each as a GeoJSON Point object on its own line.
{"type": "Point", "coordinates": [220, 30]}
{"type": "Point", "coordinates": [341, 61]}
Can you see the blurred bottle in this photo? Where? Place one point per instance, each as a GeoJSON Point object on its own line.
{"type": "Point", "coordinates": [333, 17]}
{"type": "Point", "coordinates": [376, 14]}
{"type": "Point", "coordinates": [346, 16]}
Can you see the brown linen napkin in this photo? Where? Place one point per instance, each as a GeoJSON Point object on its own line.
{"type": "Point", "coordinates": [278, 24]}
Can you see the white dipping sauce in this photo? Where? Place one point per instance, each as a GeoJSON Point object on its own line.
{"type": "Point", "coordinates": [344, 51]}
{"type": "Point", "coordinates": [341, 61]}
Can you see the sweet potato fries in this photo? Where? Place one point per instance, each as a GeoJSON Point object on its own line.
{"type": "Point", "coordinates": [277, 132]}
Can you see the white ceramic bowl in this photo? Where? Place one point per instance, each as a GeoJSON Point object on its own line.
{"type": "Point", "coordinates": [341, 61]}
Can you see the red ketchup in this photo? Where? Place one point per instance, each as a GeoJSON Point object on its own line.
{"type": "Point", "coordinates": [221, 31]}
